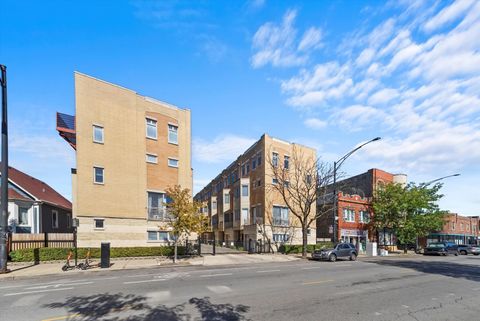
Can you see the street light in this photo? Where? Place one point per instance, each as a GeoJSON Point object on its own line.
{"type": "Point", "coordinates": [439, 179]}
{"type": "Point", "coordinates": [4, 170]}
{"type": "Point", "coordinates": [336, 166]}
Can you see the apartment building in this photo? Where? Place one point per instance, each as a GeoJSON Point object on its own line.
{"type": "Point", "coordinates": [129, 149]}
{"type": "Point", "coordinates": [243, 208]}
{"type": "Point", "coordinates": [354, 197]}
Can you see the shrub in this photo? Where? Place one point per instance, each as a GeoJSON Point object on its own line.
{"type": "Point", "coordinates": [52, 254]}
{"type": "Point", "coordinates": [297, 249]}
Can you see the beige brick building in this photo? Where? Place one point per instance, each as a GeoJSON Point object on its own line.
{"type": "Point", "coordinates": [129, 149]}
{"type": "Point", "coordinates": [243, 208]}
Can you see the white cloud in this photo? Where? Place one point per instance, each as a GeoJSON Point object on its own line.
{"type": "Point", "coordinates": [448, 14]}
{"type": "Point", "coordinates": [315, 123]}
{"type": "Point", "coordinates": [224, 148]}
{"type": "Point", "coordinates": [383, 96]}
{"type": "Point", "coordinates": [277, 44]}
{"type": "Point", "coordinates": [365, 57]}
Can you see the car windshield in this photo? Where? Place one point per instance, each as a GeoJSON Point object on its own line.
{"type": "Point", "coordinates": [436, 245]}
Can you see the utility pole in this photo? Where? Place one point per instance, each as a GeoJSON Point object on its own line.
{"type": "Point", "coordinates": [4, 181]}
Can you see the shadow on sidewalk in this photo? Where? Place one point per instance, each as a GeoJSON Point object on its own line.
{"type": "Point", "coordinates": [130, 307]}
{"type": "Point", "coordinates": [450, 269]}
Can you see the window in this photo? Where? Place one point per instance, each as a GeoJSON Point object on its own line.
{"type": "Point", "coordinates": [172, 162]}
{"type": "Point", "coordinates": [244, 190]}
{"type": "Point", "coordinates": [54, 219]}
{"type": "Point", "coordinates": [280, 216]}
{"type": "Point", "coordinates": [69, 220]}
{"type": "Point", "coordinates": [161, 236]}
{"type": "Point", "coordinates": [274, 181]}
{"type": "Point", "coordinates": [364, 217]}
{"type": "Point", "coordinates": [286, 161]}
{"type": "Point", "coordinates": [98, 175]}
{"type": "Point", "coordinates": [259, 160]}
{"type": "Point", "coordinates": [97, 134]}
{"type": "Point", "coordinates": [254, 164]}
{"type": "Point", "coordinates": [227, 199]}
{"type": "Point", "coordinates": [99, 223]}
{"type": "Point", "coordinates": [23, 216]}
{"type": "Point", "coordinates": [259, 183]}
{"type": "Point", "coordinates": [156, 206]}
{"type": "Point", "coordinates": [237, 192]}
{"type": "Point", "coordinates": [244, 216]}
{"type": "Point", "coordinates": [214, 205]}
{"type": "Point", "coordinates": [172, 134]}
{"type": "Point", "coordinates": [237, 215]}
{"type": "Point", "coordinates": [151, 128]}
{"type": "Point", "coordinates": [151, 158]}
{"type": "Point", "coordinates": [461, 226]}
{"type": "Point", "coordinates": [348, 215]}
{"type": "Point", "coordinates": [280, 238]}
{"type": "Point", "coordinates": [275, 159]}
{"type": "Point", "coordinates": [243, 170]}
{"type": "Point", "coordinates": [248, 168]}
{"type": "Point", "coordinates": [286, 184]}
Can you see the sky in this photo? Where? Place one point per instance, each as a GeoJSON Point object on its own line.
{"type": "Point", "coordinates": [327, 74]}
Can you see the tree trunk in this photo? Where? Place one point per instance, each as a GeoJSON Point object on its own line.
{"type": "Point", "coordinates": [304, 242]}
{"type": "Point", "coordinates": [175, 246]}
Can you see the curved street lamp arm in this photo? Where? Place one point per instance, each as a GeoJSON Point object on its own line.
{"type": "Point", "coordinates": [344, 157]}
{"type": "Point", "coordinates": [439, 179]}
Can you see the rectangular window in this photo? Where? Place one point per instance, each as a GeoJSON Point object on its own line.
{"type": "Point", "coordinates": [97, 134]}
{"type": "Point", "coordinates": [161, 236]}
{"type": "Point", "coordinates": [280, 216]}
{"type": "Point", "coordinates": [98, 175]}
{"type": "Point", "coordinates": [244, 190]}
{"type": "Point", "coordinates": [214, 205]}
{"type": "Point", "coordinates": [172, 134]}
{"type": "Point", "coordinates": [275, 159]}
{"type": "Point", "coordinates": [237, 215]}
{"type": "Point", "coordinates": [348, 215]}
{"type": "Point", "coordinates": [280, 238]}
{"type": "Point", "coordinates": [23, 216]}
{"type": "Point", "coordinates": [244, 218]}
{"type": "Point", "coordinates": [364, 217]}
{"type": "Point", "coordinates": [54, 219]}
{"type": "Point", "coordinates": [248, 168]}
{"type": "Point", "coordinates": [259, 160]}
{"type": "Point", "coordinates": [99, 223]}
{"type": "Point", "coordinates": [254, 164]}
{"type": "Point", "coordinates": [156, 206]}
{"type": "Point", "coordinates": [243, 170]}
{"type": "Point", "coordinates": [151, 158]}
{"type": "Point", "coordinates": [69, 220]}
{"type": "Point", "coordinates": [274, 181]}
{"type": "Point", "coordinates": [227, 199]}
{"type": "Point", "coordinates": [151, 128]}
{"type": "Point", "coordinates": [286, 161]}
{"type": "Point", "coordinates": [172, 162]}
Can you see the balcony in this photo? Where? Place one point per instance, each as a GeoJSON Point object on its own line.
{"type": "Point", "coordinates": [157, 214]}
{"type": "Point", "coordinates": [66, 129]}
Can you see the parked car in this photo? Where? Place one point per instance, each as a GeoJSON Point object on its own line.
{"type": "Point", "coordinates": [468, 249]}
{"type": "Point", "coordinates": [441, 248]}
{"type": "Point", "coordinates": [341, 250]}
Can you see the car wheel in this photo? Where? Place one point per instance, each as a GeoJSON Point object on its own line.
{"type": "Point", "coordinates": [332, 258]}
{"type": "Point", "coordinates": [476, 253]}
{"type": "Point", "coordinates": [353, 257]}
{"type": "Point", "coordinates": [456, 253]}
{"type": "Point", "coordinates": [463, 252]}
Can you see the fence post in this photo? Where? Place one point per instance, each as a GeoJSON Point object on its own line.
{"type": "Point", "coordinates": [45, 239]}
{"type": "Point", "coordinates": [75, 244]}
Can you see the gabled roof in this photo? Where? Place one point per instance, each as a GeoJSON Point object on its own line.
{"type": "Point", "coordinates": [41, 191]}
{"type": "Point", "coordinates": [14, 195]}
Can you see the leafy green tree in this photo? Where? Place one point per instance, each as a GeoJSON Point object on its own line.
{"type": "Point", "coordinates": [411, 211]}
{"type": "Point", "coordinates": [184, 215]}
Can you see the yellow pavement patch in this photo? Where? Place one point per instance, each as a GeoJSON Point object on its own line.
{"type": "Point", "coordinates": [64, 317]}
{"type": "Point", "coordinates": [317, 282]}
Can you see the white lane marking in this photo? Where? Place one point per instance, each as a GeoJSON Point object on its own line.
{"type": "Point", "coordinates": [144, 281]}
{"type": "Point", "coordinates": [378, 313]}
{"type": "Point", "coordinates": [211, 275]}
{"type": "Point", "coordinates": [102, 279]}
{"type": "Point", "coordinates": [268, 271]}
{"type": "Point", "coordinates": [38, 291]}
{"type": "Point", "coordinates": [312, 267]}
{"type": "Point", "coordinates": [451, 294]}
{"type": "Point", "coordinates": [225, 269]}
{"type": "Point", "coordinates": [57, 285]}
{"type": "Point", "coordinates": [434, 299]}
{"type": "Point", "coordinates": [405, 306]}
{"type": "Point", "coordinates": [27, 300]}
{"type": "Point", "coordinates": [476, 289]}
{"type": "Point", "coordinates": [154, 297]}
{"type": "Point", "coordinates": [219, 289]}
{"type": "Point", "coordinates": [138, 275]}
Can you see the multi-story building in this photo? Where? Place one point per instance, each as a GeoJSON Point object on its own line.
{"type": "Point", "coordinates": [242, 206]}
{"type": "Point", "coordinates": [354, 197]}
{"type": "Point", "coordinates": [129, 149]}
{"type": "Point", "coordinates": [456, 228]}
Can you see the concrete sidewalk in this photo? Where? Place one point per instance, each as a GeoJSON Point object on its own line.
{"type": "Point", "coordinates": [26, 270]}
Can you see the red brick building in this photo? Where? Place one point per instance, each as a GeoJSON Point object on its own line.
{"type": "Point", "coordinates": [458, 229]}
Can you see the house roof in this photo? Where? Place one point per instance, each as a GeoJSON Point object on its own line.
{"type": "Point", "coordinates": [14, 195]}
{"type": "Point", "coordinates": [41, 191]}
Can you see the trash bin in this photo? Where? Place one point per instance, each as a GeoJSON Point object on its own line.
{"type": "Point", "coordinates": [105, 255]}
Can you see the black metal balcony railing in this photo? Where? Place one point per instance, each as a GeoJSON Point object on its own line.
{"type": "Point", "coordinates": [157, 214]}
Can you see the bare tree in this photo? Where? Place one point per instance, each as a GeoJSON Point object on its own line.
{"type": "Point", "coordinates": [298, 183]}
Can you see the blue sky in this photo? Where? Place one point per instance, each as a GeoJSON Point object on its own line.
{"type": "Point", "coordinates": [329, 74]}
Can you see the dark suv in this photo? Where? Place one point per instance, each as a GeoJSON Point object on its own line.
{"type": "Point", "coordinates": [341, 250]}
{"type": "Point", "coordinates": [441, 248]}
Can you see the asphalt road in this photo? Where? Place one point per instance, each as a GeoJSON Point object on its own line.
{"type": "Point", "coordinates": [420, 288]}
